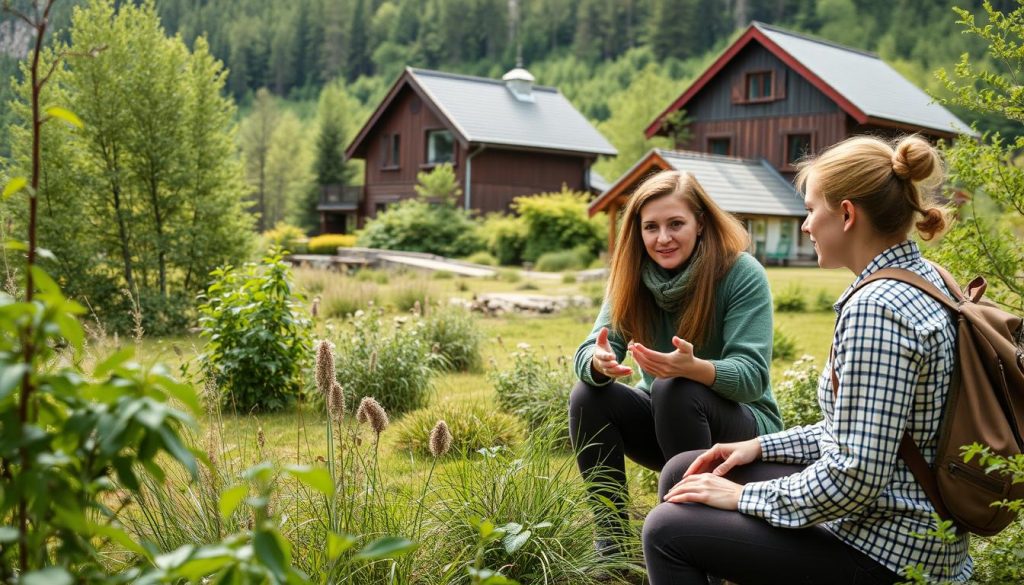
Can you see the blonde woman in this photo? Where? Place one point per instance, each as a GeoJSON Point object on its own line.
{"type": "Point", "coordinates": [833, 502]}
{"type": "Point", "coordinates": [695, 311]}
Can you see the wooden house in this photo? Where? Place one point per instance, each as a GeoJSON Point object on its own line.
{"type": "Point", "coordinates": [505, 138]}
{"type": "Point", "coordinates": [776, 96]}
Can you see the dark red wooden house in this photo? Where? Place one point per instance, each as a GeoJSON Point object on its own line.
{"type": "Point", "coordinates": [775, 96]}
{"type": "Point", "coordinates": [505, 138]}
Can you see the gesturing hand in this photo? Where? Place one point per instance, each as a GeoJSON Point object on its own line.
{"type": "Point", "coordinates": [604, 361]}
{"type": "Point", "coordinates": [664, 365]}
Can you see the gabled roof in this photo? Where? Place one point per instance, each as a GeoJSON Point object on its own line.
{"type": "Point", "coordinates": [742, 186]}
{"type": "Point", "coordinates": [484, 111]}
{"type": "Point", "coordinates": [860, 83]}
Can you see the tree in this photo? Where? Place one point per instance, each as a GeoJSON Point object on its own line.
{"type": "Point", "coordinates": [986, 241]}
{"type": "Point", "coordinates": [359, 42]}
{"type": "Point", "coordinates": [439, 184]}
{"type": "Point", "coordinates": [334, 110]}
{"type": "Point", "coordinates": [256, 134]}
{"type": "Point", "coordinates": [289, 173]}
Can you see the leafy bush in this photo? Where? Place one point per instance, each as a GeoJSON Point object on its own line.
{"type": "Point", "coordinates": [452, 332]}
{"type": "Point", "coordinates": [329, 243]}
{"type": "Point", "coordinates": [797, 393]}
{"type": "Point", "coordinates": [482, 258]}
{"type": "Point", "coordinates": [417, 226]}
{"type": "Point", "coordinates": [473, 426]}
{"type": "Point", "coordinates": [287, 237]}
{"type": "Point", "coordinates": [824, 301]}
{"type": "Point", "coordinates": [558, 221]}
{"type": "Point", "coordinates": [577, 258]}
{"type": "Point", "coordinates": [257, 338]}
{"type": "Point", "coordinates": [536, 390]}
{"type": "Point", "coordinates": [783, 346]}
{"type": "Point", "coordinates": [389, 360]}
{"type": "Point", "coordinates": [505, 236]}
{"type": "Point", "coordinates": [791, 300]}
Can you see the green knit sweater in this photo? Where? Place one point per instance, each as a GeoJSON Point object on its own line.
{"type": "Point", "coordinates": [739, 343]}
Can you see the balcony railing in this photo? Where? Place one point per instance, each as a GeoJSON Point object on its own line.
{"type": "Point", "coordinates": [340, 196]}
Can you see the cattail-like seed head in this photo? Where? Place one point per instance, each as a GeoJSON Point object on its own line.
{"type": "Point", "coordinates": [336, 402]}
{"type": "Point", "coordinates": [416, 309]}
{"type": "Point", "coordinates": [261, 439]}
{"type": "Point", "coordinates": [314, 309]}
{"type": "Point", "coordinates": [324, 366]}
{"type": "Point", "coordinates": [373, 361]}
{"type": "Point", "coordinates": [440, 439]}
{"type": "Point", "coordinates": [370, 411]}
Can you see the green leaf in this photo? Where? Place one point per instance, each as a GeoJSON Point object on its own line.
{"type": "Point", "coordinates": [48, 576]}
{"type": "Point", "coordinates": [316, 478]}
{"type": "Point", "coordinates": [270, 552]}
{"type": "Point", "coordinates": [230, 499]}
{"type": "Point", "coordinates": [387, 547]}
{"type": "Point", "coordinates": [43, 281]}
{"type": "Point", "coordinates": [514, 542]}
{"type": "Point", "coordinates": [113, 361]}
{"type": "Point", "coordinates": [8, 534]}
{"type": "Point", "coordinates": [10, 377]}
{"type": "Point", "coordinates": [336, 544]}
{"type": "Point", "coordinates": [66, 115]}
{"type": "Point", "coordinates": [13, 186]}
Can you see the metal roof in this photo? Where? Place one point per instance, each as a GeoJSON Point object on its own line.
{"type": "Point", "coordinates": [737, 185]}
{"type": "Point", "coordinates": [485, 111]}
{"type": "Point", "coordinates": [867, 81]}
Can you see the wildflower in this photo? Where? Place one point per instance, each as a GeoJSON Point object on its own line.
{"type": "Point", "coordinates": [336, 402]}
{"type": "Point", "coordinates": [523, 345]}
{"type": "Point", "coordinates": [359, 314]}
{"type": "Point", "coordinates": [370, 411]}
{"type": "Point", "coordinates": [324, 366]}
{"type": "Point", "coordinates": [440, 439]}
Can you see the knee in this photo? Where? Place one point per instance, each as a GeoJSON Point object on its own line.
{"type": "Point", "coordinates": [659, 528]}
{"type": "Point", "coordinates": [582, 396]}
{"type": "Point", "coordinates": [678, 391]}
{"type": "Point", "coordinates": [673, 471]}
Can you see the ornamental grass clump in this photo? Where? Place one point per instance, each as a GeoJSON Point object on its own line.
{"type": "Point", "coordinates": [474, 426]}
{"type": "Point", "coordinates": [389, 359]}
{"type": "Point", "coordinates": [536, 389]}
{"type": "Point", "coordinates": [454, 333]}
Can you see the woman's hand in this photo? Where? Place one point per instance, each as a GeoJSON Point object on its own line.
{"type": "Point", "coordinates": [708, 489]}
{"type": "Point", "coordinates": [604, 361]}
{"type": "Point", "coordinates": [678, 363]}
{"type": "Point", "coordinates": [722, 457]}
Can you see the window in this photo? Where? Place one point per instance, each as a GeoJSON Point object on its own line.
{"type": "Point", "coordinates": [720, 145]}
{"type": "Point", "coordinates": [759, 86]}
{"type": "Point", "coordinates": [797, 147]}
{"type": "Point", "coordinates": [440, 147]}
{"type": "Point", "coordinates": [391, 149]}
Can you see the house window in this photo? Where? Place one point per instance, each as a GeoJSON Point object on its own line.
{"type": "Point", "coordinates": [440, 147]}
{"type": "Point", "coordinates": [797, 147]}
{"type": "Point", "coordinates": [721, 145]}
{"type": "Point", "coordinates": [759, 86]}
{"type": "Point", "coordinates": [391, 148]}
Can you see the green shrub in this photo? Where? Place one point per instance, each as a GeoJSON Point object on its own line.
{"type": "Point", "coordinates": [287, 237]}
{"type": "Point", "coordinates": [783, 346]}
{"type": "Point", "coordinates": [389, 360]}
{"type": "Point", "coordinates": [559, 221]}
{"type": "Point", "coordinates": [406, 295]}
{"type": "Point", "coordinates": [258, 339]}
{"type": "Point", "coordinates": [568, 278]}
{"type": "Point", "coordinates": [347, 297]}
{"type": "Point", "coordinates": [824, 301]}
{"type": "Point", "coordinates": [508, 275]}
{"type": "Point", "coordinates": [452, 332]}
{"type": "Point", "coordinates": [413, 225]}
{"type": "Point", "coordinates": [482, 258]}
{"type": "Point", "coordinates": [329, 243]}
{"type": "Point", "coordinates": [536, 390]}
{"type": "Point", "coordinates": [577, 258]}
{"type": "Point", "coordinates": [443, 275]}
{"type": "Point", "coordinates": [371, 275]}
{"type": "Point", "coordinates": [791, 300]}
{"type": "Point", "coordinates": [797, 393]}
{"type": "Point", "coordinates": [473, 426]}
{"type": "Point", "coordinates": [505, 236]}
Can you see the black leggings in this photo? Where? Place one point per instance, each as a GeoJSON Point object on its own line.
{"type": "Point", "coordinates": [684, 543]}
{"type": "Point", "coordinates": [607, 423]}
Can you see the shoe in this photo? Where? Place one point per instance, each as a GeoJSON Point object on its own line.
{"type": "Point", "coordinates": [607, 548]}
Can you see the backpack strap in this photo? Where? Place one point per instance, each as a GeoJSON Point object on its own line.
{"type": "Point", "coordinates": [908, 449]}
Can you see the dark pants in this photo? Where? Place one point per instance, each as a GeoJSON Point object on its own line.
{"type": "Point", "coordinates": [609, 423]}
{"type": "Point", "coordinates": [684, 543]}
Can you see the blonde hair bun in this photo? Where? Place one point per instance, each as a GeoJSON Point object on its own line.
{"type": "Point", "coordinates": [914, 159]}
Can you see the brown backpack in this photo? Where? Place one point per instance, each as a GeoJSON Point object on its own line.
{"type": "Point", "coordinates": [985, 405]}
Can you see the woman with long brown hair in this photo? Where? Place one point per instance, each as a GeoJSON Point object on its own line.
{"type": "Point", "coordinates": [695, 311]}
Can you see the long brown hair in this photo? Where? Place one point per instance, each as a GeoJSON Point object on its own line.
{"type": "Point", "coordinates": [722, 239]}
{"type": "Point", "coordinates": [890, 181]}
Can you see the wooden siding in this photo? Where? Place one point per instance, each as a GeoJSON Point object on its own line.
{"type": "Point", "coordinates": [715, 100]}
{"type": "Point", "coordinates": [499, 176]}
{"type": "Point", "coordinates": [766, 137]}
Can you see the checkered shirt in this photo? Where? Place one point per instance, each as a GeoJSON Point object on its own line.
{"type": "Point", "coordinates": [894, 355]}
